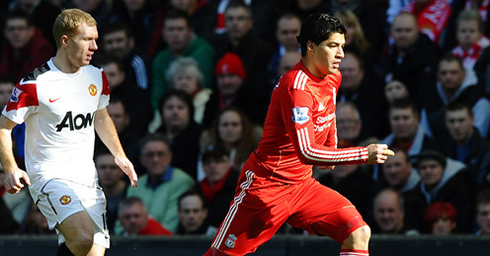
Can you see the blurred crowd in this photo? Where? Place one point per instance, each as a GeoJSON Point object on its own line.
{"type": "Point", "coordinates": [190, 85]}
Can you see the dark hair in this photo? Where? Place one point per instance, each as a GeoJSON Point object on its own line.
{"type": "Point", "coordinates": [154, 137]}
{"type": "Point", "coordinates": [129, 201]}
{"type": "Point", "coordinates": [193, 192]}
{"type": "Point", "coordinates": [483, 197]}
{"type": "Point", "coordinates": [116, 27]}
{"type": "Point", "coordinates": [429, 154]}
{"type": "Point", "coordinates": [458, 105]}
{"type": "Point", "coordinates": [106, 59]}
{"type": "Point", "coordinates": [404, 104]}
{"type": "Point", "coordinates": [449, 57]}
{"type": "Point", "coordinates": [239, 4]}
{"type": "Point", "coordinates": [183, 96]}
{"type": "Point", "coordinates": [174, 14]}
{"type": "Point", "coordinates": [318, 27]}
{"type": "Point", "coordinates": [215, 152]}
{"type": "Point", "coordinates": [17, 14]}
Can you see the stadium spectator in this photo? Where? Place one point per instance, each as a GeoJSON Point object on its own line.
{"type": "Point", "coordinates": [440, 218]}
{"type": "Point", "coordinates": [219, 183]}
{"type": "Point", "coordinates": [162, 184]}
{"type": "Point", "coordinates": [182, 42]}
{"type": "Point", "coordinates": [193, 214]}
{"type": "Point", "coordinates": [25, 47]}
{"type": "Point", "coordinates": [136, 220]}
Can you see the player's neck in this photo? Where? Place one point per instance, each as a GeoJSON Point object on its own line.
{"type": "Point", "coordinates": [311, 67]}
{"type": "Point", "coordinates": [62, 63]}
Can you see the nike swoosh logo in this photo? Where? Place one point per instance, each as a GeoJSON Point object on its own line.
{"type": "Point", "coordinates": [53, 100]}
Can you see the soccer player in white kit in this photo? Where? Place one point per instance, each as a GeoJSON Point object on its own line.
{"type": "Point", "coordinates": [62, 103]}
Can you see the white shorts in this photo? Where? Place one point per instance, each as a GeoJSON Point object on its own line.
{"type": "Point", "coordinates": [59, 199]}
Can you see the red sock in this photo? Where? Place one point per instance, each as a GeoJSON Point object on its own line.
{"type": "Point", "coordinates": [353, 252]}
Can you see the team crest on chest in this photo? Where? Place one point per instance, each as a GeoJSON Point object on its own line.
{"type": "Point", "coordinates": [230, 241]}
{"type": "Point", "coordinates": [92, 89]}
{"type": "Point", "coordinates": [64, 200]}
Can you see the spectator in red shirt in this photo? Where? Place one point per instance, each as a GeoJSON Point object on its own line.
{"type": "Point", "coordinates": [25, 47]}
{"type": "Point", "coordinates": [135, 219]}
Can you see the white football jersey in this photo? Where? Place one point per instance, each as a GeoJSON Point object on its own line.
{"type": "Point", "coordinates": [59, 112]}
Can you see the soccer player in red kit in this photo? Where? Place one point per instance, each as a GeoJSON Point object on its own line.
{"type": "Point", "coordinates": [276, 183]}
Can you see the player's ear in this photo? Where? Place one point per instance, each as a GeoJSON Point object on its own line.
{"type": "Point", "coordinates": [64, 40]}
{"type": "Point", "coordinates": [310, 46]}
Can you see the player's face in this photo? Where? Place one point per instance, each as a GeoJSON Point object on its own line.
{"type": "Point", "coordinates": [176, 114]}
{"type": "Point", "coordinates": [328, 55]}
{"type": "Point", "coordinates": [430, 172]}
{"type": "Point", "coordinates": [155, 157]}
{"type": "Point", "coordinates": [404, 123]}
{"type": "Point", "coordinates": [387, 213]}
{"type": "Point", "coordinates": [109, 172]}
{"type": "Point", "coordinates": [230, 128]}
{"type": "Point", "coordinates": [133, 218]}
{"type": "Point", "coordinates": [287, 31]}
{"type": "Point", "coordinates": [81, 47]}
{"type": "Point", "coordinates": [451, 75]}
{"type": "Point", "coordinates": [468, 33]}
{"type": "Point", "coordinates": [115, 76]}
{"type": "Point", "coordinates": [460, 125]}
{"type": "Point", "coordinates": [483, 218]}
{"type": "Point", "coordinates": [117, 43]}
{"type": "Point", "coordinates": [119, 116]}
{"type": "Point", "coordinates": [237, 22]}
{"type": "Point", "coordinates": [177, 34]}
{"type": "Point", "coordinates": [215, 169]}
{"type": "Point", "coordinates": [348, 124]}
{"type": "Point", "coordinates": [395, 90]}
{"type": "Point", "coordinates": [397, 170]}
{"type": "Point", "coordinates": [405, 31]}
{"type": "Point", "coordinates": [352, 74]}
{"type": "Point", "coordinates": [228, 84]}
{"type": "Point", "coordinates": [192, 213]}
{"type": "Point", "coordinates": [18, 33]}
{"type": "Point", "coordinates": [186, 81]}
{"type": "Point", "coordinates": [443, 226]}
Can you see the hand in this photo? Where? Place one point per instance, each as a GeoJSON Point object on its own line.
{"type": "Point", "coordinates": [128, 168]}
{"type": "Point", "coordinates": [13, 183]}
{"type": "Point", "coordinates": [378, 153]}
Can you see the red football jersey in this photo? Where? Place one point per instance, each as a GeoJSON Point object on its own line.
{"type": "Point", "coordinates": [300, 129]}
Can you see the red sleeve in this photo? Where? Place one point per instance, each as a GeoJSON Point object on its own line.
{"type": "Point", "coordinates": [23, 95]}
{"type": "Point", "coordinates": [105, 85]}
{"type": "Point", "coordinates": [297, 108]}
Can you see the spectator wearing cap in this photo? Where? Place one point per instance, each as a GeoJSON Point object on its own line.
{"type": "Point", "coordinates": [182, 42]}
{"type": "Point", "coordinates": [240, 39]}
{"type": "Point", "coordinates": [233, 89]}
{"type": "Point", "coordinates": [442, 179]}
{"type": "Point", "coordinates": [218, 186]}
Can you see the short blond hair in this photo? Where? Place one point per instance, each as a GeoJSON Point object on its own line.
{"type": "Point", "coordinates": [68, 21]}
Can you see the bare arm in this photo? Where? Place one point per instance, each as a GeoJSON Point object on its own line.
{"type": "Point", "coordinates": [13, 183]}
{"type": "Point", "coordinates": [107, 132]}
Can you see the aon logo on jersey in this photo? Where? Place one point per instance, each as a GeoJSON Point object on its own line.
{"type": "Point", "coordinates": [78, 122]}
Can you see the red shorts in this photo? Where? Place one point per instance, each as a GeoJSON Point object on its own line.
{"type": "Point", "coordinates": [261, 206]}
